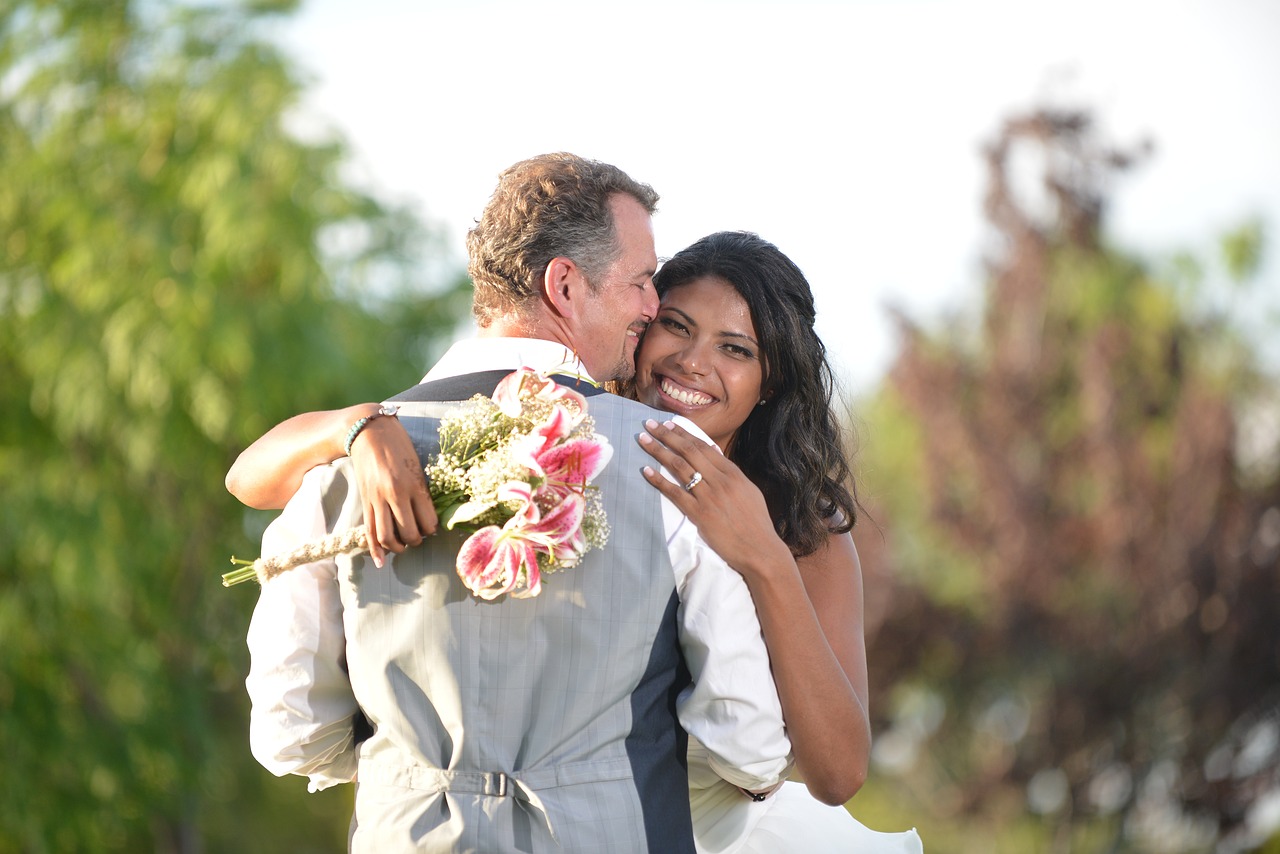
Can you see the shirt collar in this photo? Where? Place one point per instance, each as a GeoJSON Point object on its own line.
{"type": "Point", "coordinates": [490, 354]}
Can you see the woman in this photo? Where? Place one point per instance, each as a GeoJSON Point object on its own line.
{"type": "Point", "coordinates": [734, 350]}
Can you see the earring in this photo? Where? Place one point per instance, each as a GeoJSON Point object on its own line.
{"type": "Point", "coordinates": [762, 403]}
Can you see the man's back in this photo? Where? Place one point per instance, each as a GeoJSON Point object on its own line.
{"type": "Point", "coordinates": [500, 723]}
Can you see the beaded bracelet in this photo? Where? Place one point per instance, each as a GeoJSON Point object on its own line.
{"type": "Point", "coordinates": [363, 422]}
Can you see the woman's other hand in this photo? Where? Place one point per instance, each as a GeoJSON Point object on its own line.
{"type": "Point", "coordinates": [727, 508]}
{"type": "Point", "coordinates": [397, 505]}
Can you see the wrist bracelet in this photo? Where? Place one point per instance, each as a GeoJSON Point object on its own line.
{"type": "Point", "coordinates": [363, 422]}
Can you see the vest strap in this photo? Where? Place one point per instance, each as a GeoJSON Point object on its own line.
{"type": "Point", "coordinates": [521, 785]}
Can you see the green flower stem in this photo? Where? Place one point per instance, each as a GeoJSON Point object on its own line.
{"type": "Point", "coordinates": [246, 572]}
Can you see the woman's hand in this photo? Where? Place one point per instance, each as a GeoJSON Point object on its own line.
{"type": "Point", "coordinates": [727, 508]}
{"type": "Point", "coordinates": [397, 505]}
{"type": "Point", "coordinates": [810, 609]}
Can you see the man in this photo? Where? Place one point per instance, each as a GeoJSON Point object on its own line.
{"type": "Point", "coordinates": [531, 725]}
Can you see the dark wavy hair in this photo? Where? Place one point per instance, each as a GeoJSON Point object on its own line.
{"type": "Point", "coordinates": [791, 447]}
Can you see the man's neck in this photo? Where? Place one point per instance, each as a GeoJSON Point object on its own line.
{"type": "Point", "coordinates": [522, 326]}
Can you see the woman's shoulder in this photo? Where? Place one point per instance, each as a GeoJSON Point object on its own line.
{"type": "Point", "coordinates": [837, 554]}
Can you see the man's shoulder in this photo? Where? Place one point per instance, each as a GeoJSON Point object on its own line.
{"type": "Point", "coordinates": [622, 411]}
{"type": "Point", "coordinates": [633, 411]}
{"type": "Point", "coordinates": [451, 387]}
{"type": "Point", "coordinates": [627, 405]}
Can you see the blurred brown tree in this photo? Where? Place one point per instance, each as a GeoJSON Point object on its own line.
{"type": "Point", "coordinates": [1093, 576]}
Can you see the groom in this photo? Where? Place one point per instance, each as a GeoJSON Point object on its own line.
{"type": "Point", "coordinates": [529, 725]}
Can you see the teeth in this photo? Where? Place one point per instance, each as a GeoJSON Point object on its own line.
{"type": "Point", "coordinates": [689, 398]}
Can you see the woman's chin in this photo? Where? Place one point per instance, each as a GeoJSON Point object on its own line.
{"type": "Point", "coordinates": [648, 393]}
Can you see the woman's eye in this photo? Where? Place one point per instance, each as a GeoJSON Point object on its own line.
{"type": "Point", "coordinates": [672, 324]}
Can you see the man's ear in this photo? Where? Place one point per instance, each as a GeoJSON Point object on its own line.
{"type": "Point", "coordinates": [564, 284]}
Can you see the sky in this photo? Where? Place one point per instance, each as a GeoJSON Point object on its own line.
{"type": "Point", "coordinates": [847, 133]}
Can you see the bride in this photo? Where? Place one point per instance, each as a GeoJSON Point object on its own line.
{"type": "Point", "coordinates": [734, 350]}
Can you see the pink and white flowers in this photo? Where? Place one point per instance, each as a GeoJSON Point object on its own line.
{"type": "Point", "coordinates": [516, 470]}
{"type": "Point", "coordinates": [524, 460]}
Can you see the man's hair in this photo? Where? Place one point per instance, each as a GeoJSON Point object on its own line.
{"type": "Point", "coordinates": [550, 206]}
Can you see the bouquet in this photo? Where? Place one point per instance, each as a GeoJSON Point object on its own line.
{"type": "Point", "coordinates": [515, 470]}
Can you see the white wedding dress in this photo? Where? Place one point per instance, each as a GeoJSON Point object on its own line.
{"type": "Point", "coordinates": [790, 821]}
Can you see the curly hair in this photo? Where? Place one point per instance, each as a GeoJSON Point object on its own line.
{"type": "Point", "coordinates": [791, 447]}
{"type": "Point", "coordinates": [550, 206]}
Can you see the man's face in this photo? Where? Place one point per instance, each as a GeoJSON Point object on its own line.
{"type": "Point", "coordinates": [623, 301]}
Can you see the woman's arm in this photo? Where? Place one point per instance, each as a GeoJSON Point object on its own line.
{"type": "Point", "coordinates": [397, 505]}
{"type": "Point", "coordinates": [810, 610]}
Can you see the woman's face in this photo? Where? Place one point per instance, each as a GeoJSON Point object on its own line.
{"type": "Point", "coordinates": [701, 359]}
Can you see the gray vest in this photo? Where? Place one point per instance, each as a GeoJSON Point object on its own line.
{"type": "Point", "coordinates": [529, 725]}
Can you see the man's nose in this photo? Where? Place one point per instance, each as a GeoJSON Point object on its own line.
{"type": "Point", "coordinates": [650, 305]}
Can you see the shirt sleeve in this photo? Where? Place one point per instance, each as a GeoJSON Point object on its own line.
{"type": "Point", "coordinates": [732, 706]}
{"type": "Point", "coordinates": [301, 721]}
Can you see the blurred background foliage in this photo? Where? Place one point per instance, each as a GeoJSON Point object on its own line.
{"type": "Point", "coordinates": [178, 270]}
{"type": "Point", "coordinates": [1075, 490]}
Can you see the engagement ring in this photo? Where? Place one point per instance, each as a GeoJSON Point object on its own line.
{"type": "Point", "coordinates": [693, 481]}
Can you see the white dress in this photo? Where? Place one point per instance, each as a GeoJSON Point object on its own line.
{"type": "Point", "coordinates": [790, 821]}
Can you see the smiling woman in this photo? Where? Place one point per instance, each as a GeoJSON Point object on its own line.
{"type": "Point", "coordinates": [749, 368]}
{"type": "Point", "coordinates": [701, 358]}
{"type": "Point", "coordinates": [734, 349]}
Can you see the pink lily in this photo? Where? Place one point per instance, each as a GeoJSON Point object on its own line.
{"type": "Point", "coordinates": [569, 466]}
{"type": "Point", "coordinates": [565, 465]}
{"type": "Point", "coordinates": [557, 427]}
{"type": "Point", "coordinates": [494, 560]}
{"type": "Point", "coordinates": [527, 384]}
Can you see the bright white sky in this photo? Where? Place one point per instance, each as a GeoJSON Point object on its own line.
{"type": "Point", "coordinates": [846, 133]}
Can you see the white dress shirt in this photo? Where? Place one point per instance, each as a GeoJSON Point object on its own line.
{"type": "Point", "coordinates": [301, 720]}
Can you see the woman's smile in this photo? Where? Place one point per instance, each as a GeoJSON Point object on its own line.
{"type": "Point", "coordinates": [682, 394]}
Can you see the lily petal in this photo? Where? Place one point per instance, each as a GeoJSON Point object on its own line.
{"type": "Point", "coordinates": [572, 465]}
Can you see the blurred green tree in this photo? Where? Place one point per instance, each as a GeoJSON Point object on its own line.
{"type": "Point", "coordinates": [1086, 651]}
{"type": "Point", "coordinates": [178, 270]}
